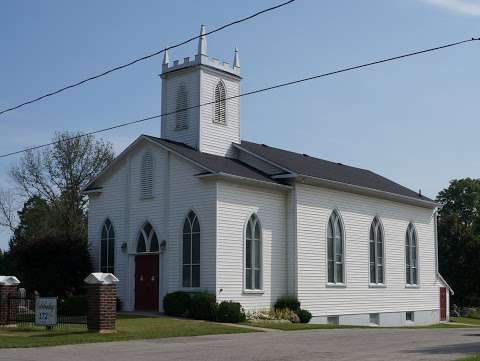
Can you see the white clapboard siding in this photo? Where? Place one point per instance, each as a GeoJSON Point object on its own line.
{"type": "Point", "coordinates": [188, 130]}
{"type": "Point", "coordinates": [176, 190]}
{"type": "Point", "coordinates": [217, 138]}
{"type": "Point", "coordinates": [236, 203]}
{"type": "Point", "coordinates": [314, 206]}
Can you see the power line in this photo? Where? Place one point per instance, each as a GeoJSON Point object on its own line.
{"type": "Point", "coordinates": [272, 87]}
{"type": "Point", "coordinates": [142, 58]}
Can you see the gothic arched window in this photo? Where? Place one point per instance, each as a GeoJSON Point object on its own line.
{"type": "Point", "coordinates": [191, 251]}
{"type": "Point", "coordinates": [335, 249]}
{"type": "Point", "coordinates": [376, 252]}
{"type": "Point", "coordinates": [411, 256]}
{"type": "Point", "coordinates": [107, 248]}
{"type": "Point", "coordinates": [181, 115]}
{"type": "Point", "coordinates": [253, 254]}
{"type": "Point", "coordinates": [220, 113]}
{"type": "Point", "coordinates": [147, 239]}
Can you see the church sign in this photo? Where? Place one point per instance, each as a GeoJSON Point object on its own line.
{"type": "Point", "coordinates": [46, 311]}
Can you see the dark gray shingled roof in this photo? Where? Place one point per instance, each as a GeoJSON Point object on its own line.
{"type": "Point", "coordinates": [303, 164]}
{"type": "Point", "coordinates": [215, 163]}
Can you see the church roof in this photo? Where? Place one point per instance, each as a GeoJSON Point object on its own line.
{"type": "Point", "coordinates": [303, 164]}
{"type": "Point", "coordinates": [215, 163]}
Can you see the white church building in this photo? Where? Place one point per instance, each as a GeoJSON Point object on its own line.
{"type": "Point", "coordinates": [199, 209]}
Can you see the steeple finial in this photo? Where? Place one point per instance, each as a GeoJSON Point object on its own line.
{"type": "Point", "coordinates": [166, 60]}
{"type": "Point", "coordinates": [236, 59]}
{"type": "Point", "coordinates": [202, 42]}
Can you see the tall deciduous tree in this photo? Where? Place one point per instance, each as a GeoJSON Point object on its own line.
{"type": "Point", "coordinates": [58, 174]}
{"type": "Point", "coordinates": [459, 239]}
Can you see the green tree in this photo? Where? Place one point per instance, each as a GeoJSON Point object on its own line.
{"type": "Point", "coordinates": [4, 267]}
{"type": "Point", "coordinates": [459, 239]}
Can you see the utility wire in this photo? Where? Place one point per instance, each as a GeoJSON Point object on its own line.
{"type": "Point", "coordinates": [281, 85]}
{"type": "Point", "coordinates": [30, 101]}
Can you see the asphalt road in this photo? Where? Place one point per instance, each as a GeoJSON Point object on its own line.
{"type": "Point", "coordinates": [351, 345]}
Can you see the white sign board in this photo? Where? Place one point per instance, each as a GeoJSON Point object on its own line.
{"type": "Point", "coordinates": [46, 311]}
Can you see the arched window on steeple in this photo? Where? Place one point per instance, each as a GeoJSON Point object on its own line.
{"type": "Point", "coordinates": [220, 113]}
{"type": "Point", "coordinates": [181, 115]}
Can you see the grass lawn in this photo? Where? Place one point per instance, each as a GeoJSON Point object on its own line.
{"type": "Point", "coordinates": [470, 321]}
{"type": "Point", "coordinates": [471, 358]}
{"type": "Point", "coordinates": [128, 328]}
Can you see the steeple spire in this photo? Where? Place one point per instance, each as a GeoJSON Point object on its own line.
{"type": "Point", "coordinates": [202, 42]}
{"type": "Point", "coordinates": [236, 59]}
{"type": "Point", "coordinates": [166, 60]}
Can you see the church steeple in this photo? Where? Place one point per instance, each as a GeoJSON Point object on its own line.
{"type": "Point", "coordinates": [202, 80]}
{"type": "Point", "coordinates": [202, 42]}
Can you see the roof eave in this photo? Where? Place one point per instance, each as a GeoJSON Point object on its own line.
{"type": "Point", "coordinates": [367, 191]}
{"type": "Point", "coordinates": [221, 175]}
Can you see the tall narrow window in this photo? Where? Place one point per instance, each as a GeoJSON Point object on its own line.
{"type": "Point", "coordinates": [181, 115]}
{"type": "Point", "coordinates": [191, 251]}
{"type": "Point", "coordinates": [376, 252]}
{"type": "Point", "coordinates": [411, 256]}
{"type": "Point", "coordinates": [107, 248]}
{"type": "Point", "coordinates": [146, 176]}
{"type": "Point", "coordinates": [335, 249]}
{"type": "Point", "coordinates": [220, 103]}
{"type": "Point", "coordinates": [253, 254]}
{"type": "Point", "coordinates": [147, 239]}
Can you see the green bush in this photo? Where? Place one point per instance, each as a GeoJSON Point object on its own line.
{"type": "Point", "coordinates": [119, 304]}
{"type": "Point", "coordinates": [231, 312]}
{"type": "Point", "coordinates": [73, 306]}
{"type": "Point", "coordinates": [287, 302]}
{"type": "Point", "coordinates": [304, 316]}
{"type": "Point", "coordinates": [176, 304]}
{"type": "Point", "coordinates": [202, 306]}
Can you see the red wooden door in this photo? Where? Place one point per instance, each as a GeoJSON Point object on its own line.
{"type": "Point", "coordinates": [443, 304]}
{"type": "Point", "coordinates": [146, 282]}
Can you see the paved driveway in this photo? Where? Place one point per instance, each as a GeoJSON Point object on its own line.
{"type": "Point", "coordinates": [355, 345]}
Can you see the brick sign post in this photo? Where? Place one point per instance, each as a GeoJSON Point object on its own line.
{"type": "Point", "coordinates": [8, 288]}
{"type": "Point", "coordinates": [102, 302]}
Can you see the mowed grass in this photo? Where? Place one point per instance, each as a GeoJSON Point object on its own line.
{"type": "Point", "coordinates": [129, 327]}
{"type": "Point", "coordinates": [471, 358]}
{"type": "Point", "coordinates": [470, 321]}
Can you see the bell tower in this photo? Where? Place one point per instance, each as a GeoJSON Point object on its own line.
{"type": "Point", "coordinates": [210, 128]}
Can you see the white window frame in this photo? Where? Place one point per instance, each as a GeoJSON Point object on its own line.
{"type": "Point", "coordinates": [377, 223]}
{"type": "Point", "coordinates": [147, 237]}
{"type": "Point", "coordinates": [217, 104]}
{"type": "Point", "coordinates": [256, 222]}
{"type": "Point", "coordinates": [336, 213]}
{"type": "Point", "coordinates": [191, 264]}
{"type": "Point", "coordinates": [411, 234]}
{"type": "Point", "coordinates": [112, 228]}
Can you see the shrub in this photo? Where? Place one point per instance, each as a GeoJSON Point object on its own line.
{"type": "Point", "coordinates": [73, 306]}
{"type": "Point", "coordinates": [231, 312]}
{"type": "Point", "coordinates": [176, 303]}
{"type": "Point", "coordinates": [119, 304]}
{"type": "Point", "coordinates": [202, 306]}
{"type": "Point", "coordinates": [279, 314]}
{"type": "Point", "coordinates": [304, 316]}
{"type": "Point", "coordinates": [287, 302]}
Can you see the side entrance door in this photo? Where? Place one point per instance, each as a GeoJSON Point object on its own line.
{"type": "Point", "coordinates": [146, 282]}
{"type": "Point", "coordinates": [443, 304]}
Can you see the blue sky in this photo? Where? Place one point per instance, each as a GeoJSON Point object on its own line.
{"type": "Point", "coordinates": [414, 121]}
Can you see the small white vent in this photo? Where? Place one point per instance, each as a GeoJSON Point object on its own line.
{"type": "Point", "coordinates": [146, 177]}
{"type": "Point", "coordinates": [220, 103]}
{"type": "Point", "coordinates": [181, 117]}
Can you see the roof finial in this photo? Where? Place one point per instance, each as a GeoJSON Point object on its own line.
{"type": "Point", "coordinates": [236, 59]}
{"type": "Point", "coordinates": [202, 42]}
{"type": "Point", "coordinates": [166, 60]}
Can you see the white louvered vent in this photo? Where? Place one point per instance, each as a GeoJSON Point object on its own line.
{"type": "Point", "coordinates": [220, 103]}
{"type": "Point", "coordinates": [181, 117]}
{"type": "Point", "coordinates": [146, 177]}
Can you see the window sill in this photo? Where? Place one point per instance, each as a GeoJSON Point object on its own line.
{"type": "Point", "coordinates": [146, 198]}
{"type": "Point", "coordinates": [336, 285]}
{"type": "Point", "coordinates": [412, 286]}
{"type": "Point", "coordinates": [377, 285]}
{"type": "Point", "coordinates": [253, 292]}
